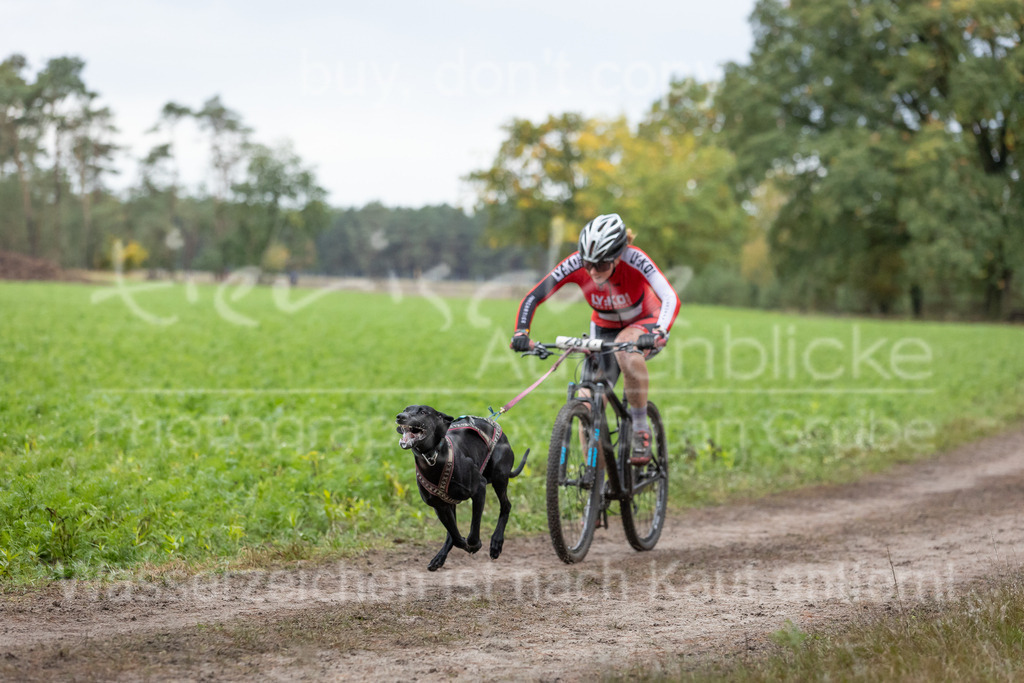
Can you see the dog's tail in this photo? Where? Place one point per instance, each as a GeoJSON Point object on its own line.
{"type": "Point", "coordinates": [522, 463]}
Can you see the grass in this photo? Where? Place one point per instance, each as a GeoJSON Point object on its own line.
{"type": "Point", "coordinates": [210, 426]}
{"type": "Point", "coordinates": [976, 638]}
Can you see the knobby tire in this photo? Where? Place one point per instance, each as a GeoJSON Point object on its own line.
{"type": "Point", "coordinates": [573, 509]}
{"type": "Point", "coordinates": [643, 515]}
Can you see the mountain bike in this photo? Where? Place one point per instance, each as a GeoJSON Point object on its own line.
{"type": "Point", "coordinates": [589, 462]}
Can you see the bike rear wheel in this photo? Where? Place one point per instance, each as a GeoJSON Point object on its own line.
{"type": "Point", "coordinates": [643, 513]}
{"type": "Point", "coordinates": [573, 502]}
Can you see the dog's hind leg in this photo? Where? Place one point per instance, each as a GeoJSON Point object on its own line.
{"type": "Point", "coordinates": [479, 498]}
{"type": "Point", "coordinates": [498, 537]}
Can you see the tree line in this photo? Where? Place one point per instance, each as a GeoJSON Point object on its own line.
{"type": "Point", "coordinates": [262, 205]}
{"type": "Point", "coordinates": [58, 147]}
{"type": "Point", "coordinates": [863, 160]}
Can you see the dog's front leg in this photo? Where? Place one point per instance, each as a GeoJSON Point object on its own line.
{"type": "Point", "coordinates": [441, 556]}
{"type": "Point", "coordinates": [447, 516]}
{"type": "Point", "coordinates": [479, 498]}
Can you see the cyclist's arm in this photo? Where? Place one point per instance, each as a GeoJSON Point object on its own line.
{"type": "Point", "coordinates": [543, 290]}
{"type": "Point", "coordinates": [670, 303]}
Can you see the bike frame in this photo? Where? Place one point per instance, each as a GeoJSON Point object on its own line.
{"type": "Point", "coordinates": [599, 440]}
{"type": "Point", "coordinates": [604, 472]}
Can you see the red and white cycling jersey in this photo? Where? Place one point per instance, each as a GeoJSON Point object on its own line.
{"type": "Point", "coordinates": [635, 293]}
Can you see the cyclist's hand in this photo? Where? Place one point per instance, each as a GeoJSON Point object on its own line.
{"type": "Point", "coordinates": [652, 340]}
{"type": "Point", "coordinates": [520, 341]}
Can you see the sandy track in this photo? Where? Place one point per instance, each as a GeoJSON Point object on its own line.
{"type": "Point", "coordinates": [720, 580]}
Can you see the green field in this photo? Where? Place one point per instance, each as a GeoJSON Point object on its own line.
{"type": "Point", "coordinates": [205, 427]}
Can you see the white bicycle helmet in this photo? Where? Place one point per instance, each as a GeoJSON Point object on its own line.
{"type": "Point", "coordinates": [603, 238]}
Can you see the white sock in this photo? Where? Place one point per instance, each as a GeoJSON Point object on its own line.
{"type": "Point", "coordinates": [639, 416]}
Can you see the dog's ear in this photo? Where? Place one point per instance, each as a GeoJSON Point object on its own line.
{"type": "Point", "coordinates": [448, 419]}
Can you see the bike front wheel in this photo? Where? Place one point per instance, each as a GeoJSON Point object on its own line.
{"type": "Point", "coordinates": [643, 513]}
{"type": "Point", "coordinates": [575, 481]}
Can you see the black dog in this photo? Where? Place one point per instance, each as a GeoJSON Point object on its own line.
{"type": "Point", "coordinates": [455, 460]}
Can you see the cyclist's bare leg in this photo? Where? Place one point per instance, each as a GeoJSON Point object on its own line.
{"type": "Point", "coordinates": [635, 383]}
{"type": "Point", "coordinates": [635, 378]}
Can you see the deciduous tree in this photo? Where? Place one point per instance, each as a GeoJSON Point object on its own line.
{"type": "Point", "coordinates": [535, 178]}
{"type": "Point", "coordinates": [840, 103]}
{"type": "Point", "coordinates": [280, 204]}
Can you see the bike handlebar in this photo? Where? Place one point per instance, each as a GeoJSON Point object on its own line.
{"type": "Point", "coordinates": [588, 345]}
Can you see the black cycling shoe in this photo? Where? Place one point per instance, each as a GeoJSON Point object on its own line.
{"type": "Point", "coordinates": [588, 478]}
{"type": "Point", "coordinates": [641, 451]}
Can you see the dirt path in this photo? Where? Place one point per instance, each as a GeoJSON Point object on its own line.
{"type": "Point", "coordinates": [720, 580]}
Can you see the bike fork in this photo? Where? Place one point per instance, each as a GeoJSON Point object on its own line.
{"type": "Point", "coordinates": [600, 446]}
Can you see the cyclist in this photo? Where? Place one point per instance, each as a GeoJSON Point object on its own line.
{"type": "Point", "coordinates": [632, 302]}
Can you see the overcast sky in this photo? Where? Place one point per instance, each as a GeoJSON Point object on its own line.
{"type": "Point", "coordinates": [388, 101]}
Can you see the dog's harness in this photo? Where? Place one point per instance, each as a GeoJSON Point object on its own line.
{"type": "Point", "coordinates": [478, 425]}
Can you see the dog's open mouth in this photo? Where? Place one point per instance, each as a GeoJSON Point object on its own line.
{"type": "Point", "coordinates": [410, 435]}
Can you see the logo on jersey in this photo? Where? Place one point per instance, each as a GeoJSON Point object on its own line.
{"type": "Point", "coordinates": [607, 302]}
{"type": "Point", "coordinates": [527, 310]}
{"type": "Point", "coordinates": [567, 266]}
{"type": "Point", "coordinates": [636, 259]}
